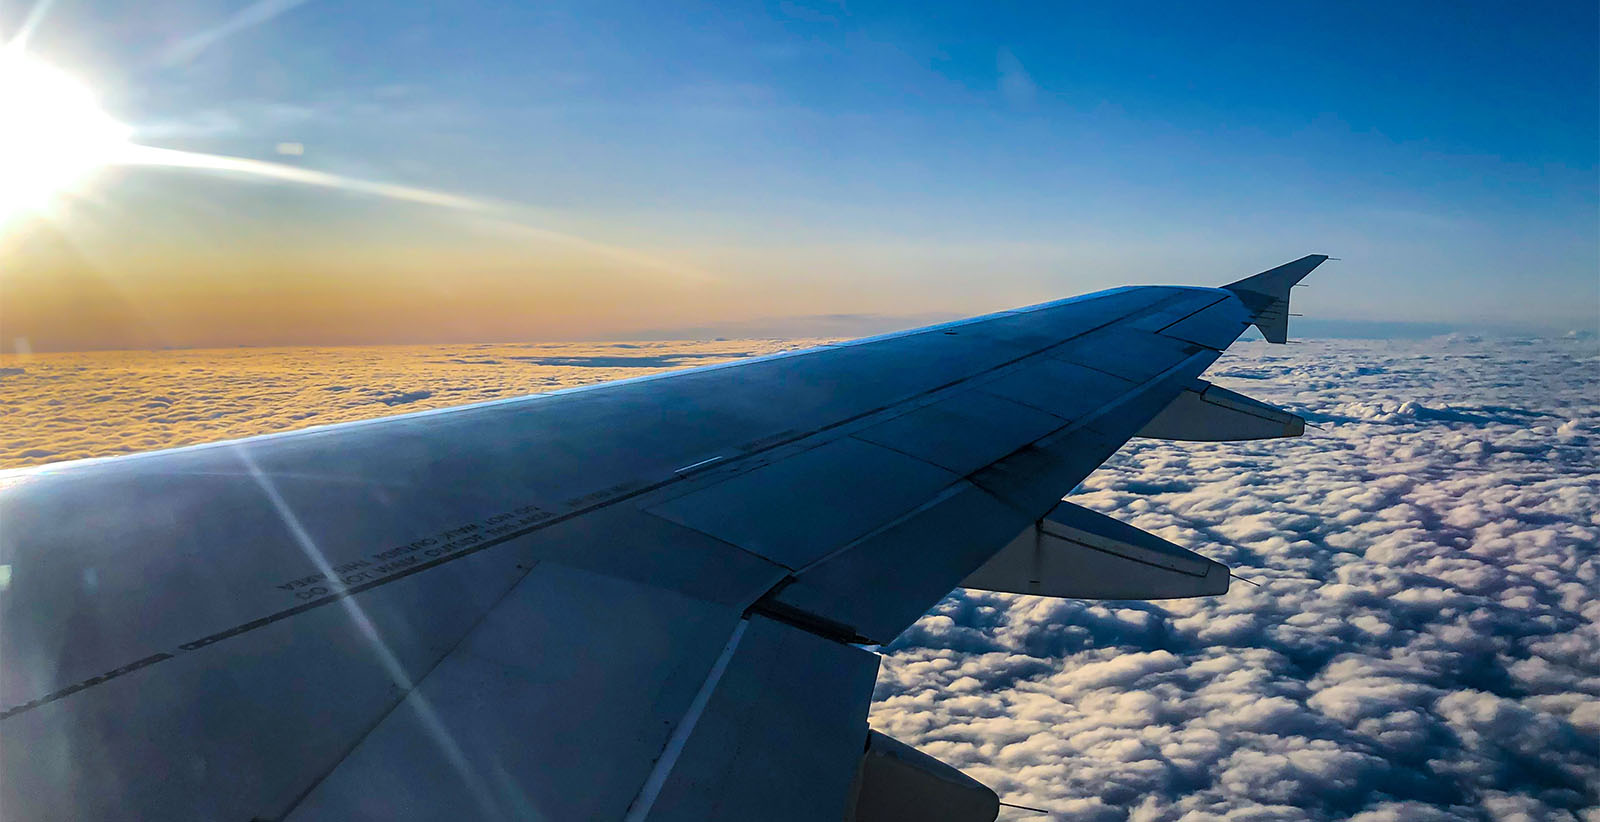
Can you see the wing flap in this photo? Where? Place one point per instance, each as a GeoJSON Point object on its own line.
{"type": "Point", "coordinates": [874, 588]}
{"type": "Point", "coordinates": [795, 510]}
{"type": "Point", "coordinates": [510, 725]}
{"type": "Point", "coordinates": [1067, 390]}
{"type": "Point", "coordinates": [780, 737]}
{"type": "Point", "coordinates": [1133, 355]}
{"type": "Point", "coordinates": [964, 432]}
{"type": "Point", "coordinates": [883, 583]}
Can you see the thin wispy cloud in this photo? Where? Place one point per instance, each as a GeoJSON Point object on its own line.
{"type": "Point", "coordinates": [1016, 84]}
{"type": "Point", "coordinates": [168, 158]}
{"type": "Point", "coordinates": [249, 17]}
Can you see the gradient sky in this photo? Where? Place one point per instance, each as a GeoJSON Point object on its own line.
{"type": "Point", "coordinates": [648, 169]}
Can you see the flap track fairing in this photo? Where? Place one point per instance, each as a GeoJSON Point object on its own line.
{"type": "Point", "coordinates": [1079, 553]}
{"type": "Point", "coordinates": [1203, 412]}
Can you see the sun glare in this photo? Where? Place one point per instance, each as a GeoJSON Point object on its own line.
{"type": "Point", "coordinates": [53, 134]}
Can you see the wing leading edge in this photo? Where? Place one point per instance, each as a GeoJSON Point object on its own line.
{"type": "Point", "coordinates": [634, 601]}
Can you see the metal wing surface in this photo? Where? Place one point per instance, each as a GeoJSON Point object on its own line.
{"type": "Point", "coordinates": [640, 600]}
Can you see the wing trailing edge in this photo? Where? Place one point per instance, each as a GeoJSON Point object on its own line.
{"type": "Point", "coordinates": [1267, 295]}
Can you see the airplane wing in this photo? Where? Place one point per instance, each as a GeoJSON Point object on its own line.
{"type": "Point", "coordinates": [642, 600]}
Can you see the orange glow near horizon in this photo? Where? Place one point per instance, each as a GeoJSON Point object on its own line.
{"type": "Point", "coordinates": [111, 244]}
{"type": "Point", "coordinates": [91, 260]}
{"type": "Point", "coordinates": [78, 405]}
{"type": "Point", "coordinates": [69, 288]}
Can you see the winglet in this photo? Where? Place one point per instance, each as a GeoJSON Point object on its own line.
{"type": "Point", "coordinates": [1267, 295]}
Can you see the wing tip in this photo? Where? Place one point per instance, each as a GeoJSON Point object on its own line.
{"type": "Point", "coordinates": [1267, 294]}
{"type": "Point", "coordinates": [1276, 282]}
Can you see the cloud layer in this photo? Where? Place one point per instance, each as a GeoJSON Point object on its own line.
{"type": "Point", "coordinates": [1423, 645]}
{"type": "Point", "coordinates": [103, 403]}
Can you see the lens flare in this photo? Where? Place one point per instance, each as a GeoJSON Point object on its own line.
{"type": "Point", "coordinates": [53, 134]}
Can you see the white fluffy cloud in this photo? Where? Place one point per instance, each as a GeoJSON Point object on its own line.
{"type": "Point", "coordinates": [1425, 644]}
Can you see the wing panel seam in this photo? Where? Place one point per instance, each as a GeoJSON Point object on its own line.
{"type": "Point", "coordinates": [651, 789]}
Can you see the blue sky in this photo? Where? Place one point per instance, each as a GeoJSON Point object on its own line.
{"type": "Point", "coordinates": [834, 158]}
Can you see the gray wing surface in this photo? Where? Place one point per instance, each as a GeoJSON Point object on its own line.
{"type": "Point", "coordinates": [640, 600]}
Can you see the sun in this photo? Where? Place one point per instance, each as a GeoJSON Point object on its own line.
{"type": "Point", "coordinates": [53, 134]}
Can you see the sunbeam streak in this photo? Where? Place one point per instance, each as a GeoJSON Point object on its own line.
{"type": "Point", "coordinates": [498, 215]}
{"type": "Point", "coordinates": [54, 136]}
{"type": "Point", "coordinates": [137, 155]}
{"type": "Point", "coordinates": [415, 698]}
{"type": "Point", "coordinates": [36, 16]}
{"type": "Point", "coordinates": [255, 14]}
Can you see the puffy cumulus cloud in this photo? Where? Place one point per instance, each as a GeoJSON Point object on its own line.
{"type": "Point", "coordinates": [103, 403]}
{"type": "Point", "coordinates": [1425, 643]}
